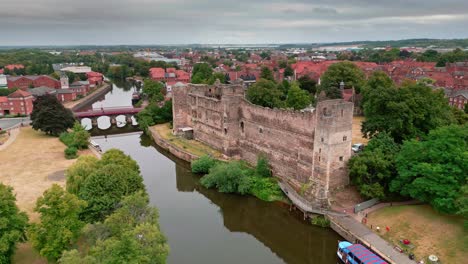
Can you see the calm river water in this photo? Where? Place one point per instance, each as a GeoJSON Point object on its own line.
{"type": "Point", "coordinates": [204, 226]}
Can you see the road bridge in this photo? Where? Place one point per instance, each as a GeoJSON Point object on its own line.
{"type": "Point", "coordinates": [111, 112]}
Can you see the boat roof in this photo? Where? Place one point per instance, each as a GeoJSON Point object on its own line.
{"type": "Point", "coordinates": [365, 255]}
{"type": "Point", "coordinates": [344, 244]}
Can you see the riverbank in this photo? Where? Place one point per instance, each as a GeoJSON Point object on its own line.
{"type": "Point", "coordinates": [184, 149]}
{"type": "Point", "coordinates": [89, 98]}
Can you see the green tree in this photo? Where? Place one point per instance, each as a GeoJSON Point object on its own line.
{"type": "Point", "coordinates": [346, 72]}
{"type": "Point", "coordinates": [265, 93]}
{"type": "Point", "coordinates": [117, 157]}
{"type": "Point", "coordinates": [288, 71]}
{"type": "Point", "coordinates": [373, 169]}
{"type": "Point", "coordinates": [433, 170]}
{"type": "Point", "coordinates": [267, 74]}
{"type": "Point", "coordinates": [201, 73]}
{"type": "Point", "coordinates": [50, 116]}
{"type": "Point", "coordinates": [154, 114]}
{"type": "Point", "coordinates": [308, 84]}
{"type": "Point", "coordinates": [13, 224]}
{"type": "Point", "coordinates": [154, 90]}
{"type": "Point", "coordinates": [80, 136]}
{"type": "Point", "coordinates": [130, 235]}
{"type": "Point", "coordinates": [297, 98]}
{"type": "Point", "coordinates": [78, 172]}
{"type": "Point", "coordinates": [104, 188]}
{"type": "Point", "coordinates": [59, 226]}
{"type": "Point", "coordinates": [460, 116]}
{"type": "Point", "coordinates": [408, 112]}
{"type": "Point", "coordinates": [462, 203]}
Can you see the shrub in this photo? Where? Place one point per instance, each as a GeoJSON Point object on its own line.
{"type": "Point", "coordinates": [66, 138]}
{"type": "Point", "coordinates": [228, 178]}
{"type": "Point", "coordinates": [263, 168]}
{"type": "Point", "coordinates": [71, 153]}
{"type": "Point", "coordinates": [320, 221]}
{"type": "Point", "coordinates": [203, 164]}
{"type": "Point", "coordinates": [266, 189]}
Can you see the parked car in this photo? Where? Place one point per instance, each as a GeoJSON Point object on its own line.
{"type": "Point", "coordinates": [356, 148]}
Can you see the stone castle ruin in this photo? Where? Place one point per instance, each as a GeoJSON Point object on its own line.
{"type": "Point", "coordinates": [307, 149]}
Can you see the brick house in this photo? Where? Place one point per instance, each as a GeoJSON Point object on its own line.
{"type": "Point", "coordinates": [19, 102]}
{"type": "Point", "coordinates": [95, 78]}
{"type": "Point", "coordinates": [32, 81]}
{"type": "Point", "coordinates": [169, 75]}
{"type": "Point", "coordinates": [458, 98]}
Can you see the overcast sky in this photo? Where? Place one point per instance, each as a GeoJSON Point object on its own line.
{"type": "Point", "coordinates": [64, 22]}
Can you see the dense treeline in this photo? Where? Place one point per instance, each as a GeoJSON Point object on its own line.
{"type": "Point", "coordinates": [106, 208]}
{"type": "Point", "coordinates": [114, 66]}
{"type": "Point", "coordinates": [418, 146]}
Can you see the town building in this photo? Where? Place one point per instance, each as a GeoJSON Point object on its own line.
{"type": "Point", "coordinates": [169, 76]}
{"type": "Point", "coordinates": [95, 78]}
{"type": "Point", "coordinates": [3, 81]}
{"type": "Point", "coordinates": [18, 102]}
{"type": "Point", "coordinates": [31, 81]}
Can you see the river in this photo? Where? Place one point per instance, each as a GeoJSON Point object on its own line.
{"type": "Point", "coordinates": [205, 226]}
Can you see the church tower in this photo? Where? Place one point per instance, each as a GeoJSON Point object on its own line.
{"type": "Point", "coordinates": [64, 81]}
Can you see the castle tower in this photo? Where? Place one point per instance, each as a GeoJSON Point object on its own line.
{"type": "Point", "coordinates": [64, 81]}
{"type": "Point", "coordinates": [332, 146]}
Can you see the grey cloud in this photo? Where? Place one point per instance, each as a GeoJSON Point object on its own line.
{"type": "Point", "coordinates": [219, 21]}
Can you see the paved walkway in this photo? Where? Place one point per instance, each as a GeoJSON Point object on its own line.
{"type": "Point", "coordinates": [371, 240]}
{"type": "Point", "coordinates": [13, 134]}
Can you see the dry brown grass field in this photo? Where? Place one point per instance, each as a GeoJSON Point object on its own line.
{"type": "Point", "coordinates": [429, 231]}
{"type": "Point", "coordinates": [357, 135]}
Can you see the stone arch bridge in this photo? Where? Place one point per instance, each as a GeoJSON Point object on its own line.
{"type": "Point", "coordinates": [111, 112]}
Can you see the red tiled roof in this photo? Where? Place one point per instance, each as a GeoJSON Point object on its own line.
{"type": "Point", "coordinates": [19, 94]}
{"type": "Point", "coordinates": [3, 99]}
{"type": "Point", "coordinates": [14, 66]}
{"type": "Point", "coordinates": [94, 74]}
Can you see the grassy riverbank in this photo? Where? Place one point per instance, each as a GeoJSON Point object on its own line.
{"type": "Point", "coordinates": [430, 232]}
{"type": "Point", "coordinates": [31, 164]}
{"type": "Point", "coordinates": [194, 147]}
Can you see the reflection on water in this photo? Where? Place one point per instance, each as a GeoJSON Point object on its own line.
{"type": "Point", "coordinates": [204, 226]}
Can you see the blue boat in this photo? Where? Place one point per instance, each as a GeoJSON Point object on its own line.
{"type": "Point", "coordinates": [357, 254]}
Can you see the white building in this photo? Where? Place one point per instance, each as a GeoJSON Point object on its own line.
{"type": "Point", "coordinates": [3, 81]}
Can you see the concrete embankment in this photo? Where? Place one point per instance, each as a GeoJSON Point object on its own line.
{"type": "Point", "coordinates": [355, 232]}
{"type": "Point", "coordinates": [174, 150]}
{"type": "Point", "coordinates": [90, 98]}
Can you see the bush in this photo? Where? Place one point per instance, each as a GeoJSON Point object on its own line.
{"type": "Point", "coordinates": [238, 177]}
{"type": "Point", "coordinates": [203, 165]}
{"type": "Point", "coordinates": [320, 221]}
{"type": "Point", "coordinates": [78, 138]}
{"type": "Point", "coordinates": [263, 168]}
{"type": "Point", "coordinates": [228, 178]}
{"type": "Point", "coordinates": [71, 153]}
{"type": "Point", "coordinates": [266, 189]}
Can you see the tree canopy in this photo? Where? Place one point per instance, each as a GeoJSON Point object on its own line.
{"type": "Point", "coordinates": [266, 74]}
{"type": "Point", "coordinates": [60, 225]}
{"type": "Point", "coordinates": [405, 113]}
{"type": "Point", "coordinates": [129, 235]}
{"type": "Point", "coordinates": [373, 169]}
{"type": "Point", "coordinates": [346, 72]}
{"type": "Point", "coordinates": [297, 98]}
{"type": "Point", "coordinates": [201, 73]}
{"type": "Point", "coordinates": [265, 93]}
{"type": "Point", "coordinates": [13, 224]}
{"type": "Point", "coordinates": [50, 116]}
{"type": "Point", "coordinates": [154, 90]}
{"type": "Point", "coordinates": [434, 169]}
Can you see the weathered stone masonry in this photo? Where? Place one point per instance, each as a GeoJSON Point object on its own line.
{"type": "Point", "coordinates": [305, 148]}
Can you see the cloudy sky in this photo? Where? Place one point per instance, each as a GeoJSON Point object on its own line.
{"type": "Point", "coordinates": [63, 22]}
